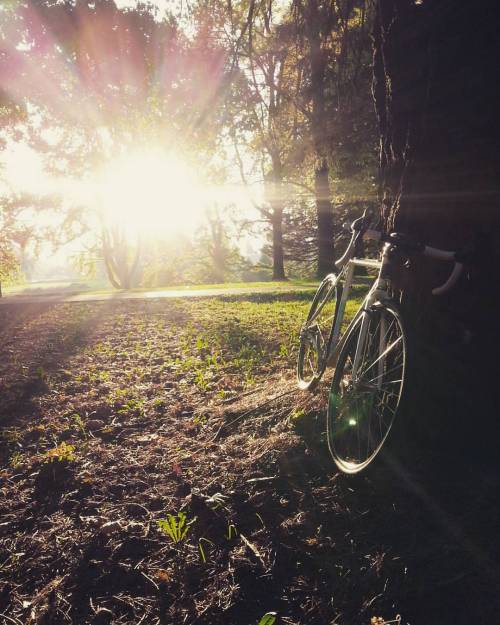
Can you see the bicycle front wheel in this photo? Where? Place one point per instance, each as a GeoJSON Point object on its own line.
{"type": "Point", "coordinates": [363, 403]}
{"type": "Point", "coordinates": [316, 334]}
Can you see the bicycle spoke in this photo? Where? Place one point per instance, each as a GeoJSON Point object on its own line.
{"type": "Point", "coordinates": [388, 331]}
{"type": "Point", "coordinates": [384, 353]}
{"type": "Point", "coordinates": [385, 373]}
{"type": "Point", "coordinates": [367, 347]}
{"type": "Point", "coordinates": [328, 319]}
{"type": "Point", "coordinates": [385, 406]}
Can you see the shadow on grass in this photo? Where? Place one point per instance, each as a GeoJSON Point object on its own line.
{"type": "Point", "coordinates": [36, 340]}
{"type": "Point", "coordinates": [300, 296]}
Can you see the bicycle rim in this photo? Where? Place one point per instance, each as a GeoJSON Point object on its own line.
{"type": "Point", "coordinates": [362, 409]}
{"type": "Point", "coordinates": [316, 334]}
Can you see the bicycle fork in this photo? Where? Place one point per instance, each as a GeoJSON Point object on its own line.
{"type": "Point", "coordinates": [378, 293]}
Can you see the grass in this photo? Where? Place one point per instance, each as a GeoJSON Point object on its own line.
{"type": "Point", "coordinates": [272, 285]}
{"type": "Point", "coordinates": [91, 288]}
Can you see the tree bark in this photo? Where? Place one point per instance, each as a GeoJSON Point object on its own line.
{"type": "Point", "coordinates": [216, 247]}
{"type": "Point", "coordinates": [274, 195]}
{"type": "Point", "coordinates": [324, 213]}
{"type": "Point", "coordinates": [436, 94]}
{"type": "Point", "coordinates": [324, 209]}
{"type": "Point", "coordinates": [277, 227]}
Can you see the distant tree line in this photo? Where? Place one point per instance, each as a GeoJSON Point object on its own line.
{"type": "Point", "coordinates": [271, 95]}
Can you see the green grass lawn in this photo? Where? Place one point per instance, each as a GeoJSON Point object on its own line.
{"type": "Point", "coordinates": [90, 288]}
{"type": "Point", "coordinates": [278, 284]}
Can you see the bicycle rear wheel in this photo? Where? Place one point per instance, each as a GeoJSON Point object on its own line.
{"type": "Point", "coordinates": [362, 408]}
{"type": "Point", "coordinates": [316, 333]}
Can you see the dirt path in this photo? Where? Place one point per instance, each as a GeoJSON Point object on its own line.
{"type": "Point", "coordinates": [148, 295]}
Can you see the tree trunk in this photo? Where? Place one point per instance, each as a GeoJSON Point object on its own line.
{"type": "Point", "coordinates": [274, 194]}
{"type": "Point", "coordinates": [325, 220]}
{"type": "Point", "coordinates": [436, 93]}
{"type": "Point", "coordinates": [324, 210]}
{"type": "Point", "coordinates": [121, 273]}
{"type": "Point", "coordinates": [277, 226]}
{"type": "Point", "coordinates": [217, 249]}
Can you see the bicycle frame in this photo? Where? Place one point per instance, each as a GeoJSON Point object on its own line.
{"type": "Point", "coordinates": [350, 267]}
{"type": "Point", "coordinates": [378, 291]}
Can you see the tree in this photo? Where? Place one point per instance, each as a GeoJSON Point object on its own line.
{"type": "Point", "coordinates": [114, 80]}
{"type": "Point", "coordinates": [332, 43]}
{"type": "Point", "coordinates": [121, 259]}
{"type": "Point", "coordinates": [261, 118]}
{"type": "Point", "coordinates": [21, 232]}
{"type": "Point", "coordinates": [437, 99]}
{"type": "Point", "coordinates": [318, 22]}
{"type": "Point", "coordinates": [214, 243]}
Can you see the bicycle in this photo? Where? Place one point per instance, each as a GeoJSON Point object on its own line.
{"type": "Point", "coordinates": [370, 356]}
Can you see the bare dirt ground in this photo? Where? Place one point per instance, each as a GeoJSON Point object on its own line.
{"type": "Point", "coordinates": [115, 415]}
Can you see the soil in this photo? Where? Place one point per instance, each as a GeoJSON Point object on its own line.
{"type": "Point", "coordinates": [115, 415]}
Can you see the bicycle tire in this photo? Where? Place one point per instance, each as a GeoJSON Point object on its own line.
{"type": "Point", "coordinates": [362, 412]}
{"type": "Point", "coordinates": [316, 333]}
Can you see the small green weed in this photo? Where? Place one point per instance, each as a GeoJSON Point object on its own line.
{"type": "Point", "coordinates": [284, 350]}
{"type": "Point", "coordinates": [231, 531]}
{"type": "Point", "coordinates": [16, 460]}
{"type": "Point", "coordinates": [60, 453]}
{"type": "Point", "coordinates": [201, 379]}
{"type": "Point", "coordinates": [202, 550]}
{"type": "Point", "coordinates": [296, 417]}
{"type": "Point", "coordinates": [11, 435]}
{"type": "Point", "coordinates": [298, 413]}
{"type": "Point", "coordinates": [124, 402]}
{"type": "Point", "coordinates": [175, 526]}
{"type": "Point", "coordinates": [78, 421]}
{"type": "Point", "coordinates": [135, 406]}
{"type": "Point", "coordinates": [40, 373]}
{"type": "Point", "coordinates": [269, 618]}
{"type": "Point", "coordinates": [200, 420]}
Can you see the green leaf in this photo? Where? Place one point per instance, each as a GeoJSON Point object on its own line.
{"type": "Point", "coordinates": [202, 553]}
{"type": "Point", "coordinates": [175, 526]}
{"type": "Point", "coordinates": [269, 618]}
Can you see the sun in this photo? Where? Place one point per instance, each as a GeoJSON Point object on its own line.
{"type": "Point", "coordinates": [151, 192]}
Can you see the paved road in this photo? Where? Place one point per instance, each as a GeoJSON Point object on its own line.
{"type": "Point", "coordinates": [43, 298]}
